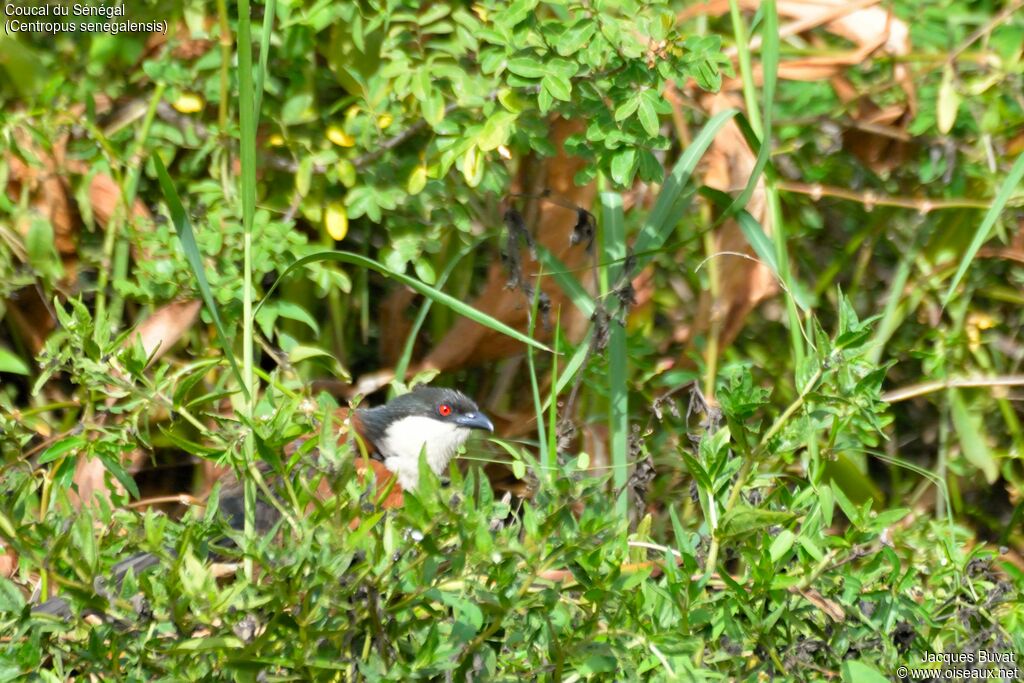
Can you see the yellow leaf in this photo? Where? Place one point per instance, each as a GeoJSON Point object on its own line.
{"type": "Point", "coordinates": [339, 137]}
{"type": "Point", "coordinates": [275, 140]}
{"type": "Point", "coordinates": [473, 166]}
{"type": "Point", "coordinates": [336, 221]}
{"type": "Point", "coordinates": [417, 180]}
{"type": "Point", "coordinates": [385, 120]}
{"type": "Point", "coordinates": [189, 103]}
{"type": "Point", "coordinates": [948, 102]}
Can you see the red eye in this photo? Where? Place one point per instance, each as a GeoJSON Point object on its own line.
{"type": "Point", "coordinates": [444, 409]}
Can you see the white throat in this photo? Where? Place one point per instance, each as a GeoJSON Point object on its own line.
{"type": "Point", "coordinates": [405, 438]}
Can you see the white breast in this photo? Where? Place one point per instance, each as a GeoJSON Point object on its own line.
{"type": "Point", "coordinates": [406, 437]}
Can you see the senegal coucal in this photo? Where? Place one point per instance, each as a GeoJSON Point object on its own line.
{"type": "Point", "coordinates": [429, 420]}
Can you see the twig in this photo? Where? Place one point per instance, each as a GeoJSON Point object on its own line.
{"type": "Point", "coordinates": [915, 390]}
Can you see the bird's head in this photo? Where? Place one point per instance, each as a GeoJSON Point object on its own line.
{"type": "Point", "coordinates": [431, 418]}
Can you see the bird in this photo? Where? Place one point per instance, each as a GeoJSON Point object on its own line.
{"type": "Point", "coordinates": [432, 421]}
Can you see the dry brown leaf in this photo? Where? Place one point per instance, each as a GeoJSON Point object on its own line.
{"type": "Point", "coordinates": [90, 483]}
{"type": "Point", "coordinates": [830, 607]}
{"type": "Point", "coordinates": [162, 330]}
{"type": "Point", "coordinates": [8, 563]}
{"type": "Point", "coordinates": [48, 190]}
{"type": "Point", "coordinates": [105, 196]}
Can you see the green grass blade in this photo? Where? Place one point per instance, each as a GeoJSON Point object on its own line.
{"type": "Point", "coordinates": [1011, 183]}
{"type": "Point", "coordinates": [269, 10]}
{"type": "Point", "coordinates": [183, 228]}
{"type": "Point", "coordinates": [769, 68]}
{"type": "Point", "coordinates": [421, 317]}
{"type": "Point", "coordinates": [566, 280]}
{"type": "Point", "coordinates": [571, 368]}
{"type": "Point", "coordinates": [765, 250]}
{"type": "Point", "coordinates": [659, 224]}
{"type": "Point", "coordinates": [247, 154]}
{"type": "Point", "coordinates": [437, 296]}
{"type": "Point", "coordinates": [614, 229]}
{"type": "Point", "coordinates": [247, 115]}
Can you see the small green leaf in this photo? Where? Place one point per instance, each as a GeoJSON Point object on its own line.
{"type": "Point", "coordinates": [303, 352]}
{"type": "Point", "coordinates": [972, 438]}
{"type": "Point", "coordinates": [948, 101]}
{"type": "Point", "coordinates": [557, 86]}
{"type": "Point", "coordinates": [624, 166]}
{"type": "Point", "coordinates": [527, 67]}
{"type": "Point", "coordinates": [9, 362]}
{"type": "Point", "coordinates": [626, 109]}
{"type": "Point", "coordinates": [496, 130]}
{"type": "Point", "coordinates": [744, 519]}
{"type": "Point", "coordinates": [575, 37]}
{"type": "Point", "coordinates": [60, 448]}
{"type": "Point", "coordinates": [782, 544]}
{"type": "Point", "coordinates": [518, 469]}
{"type": "Point", "coordinates": [827, 503]}
{"type": "Point", "coordinates": [417, 180]}
{"type": "Point", "coordinates": [858, 672]}
{"type": "Point", "coordinates": [647, 114]}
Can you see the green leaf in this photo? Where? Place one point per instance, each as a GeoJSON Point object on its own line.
{"type": "Point", "coordinates": [827, 503]}
{"type": "Point", "coordinates": [626, 109]}
{"type": "Point", "coordinates": [575, 37]}
{"type": "Point", "coordinates": [496, 130]}
{"type": "Point", "coordinates": [518, 469]}
{"type": "Point", "coordinates": [527, 67]}
{"type": "Point", "coordinates": [948, 101]}
{"type": "Point", "coordinates": [556, 85]}
{"type": "Point", "coordinates": [624, 165]}
{"type": "Point", "coordinates": [114, 466]}
{"type": "Point", "coordinates": [744, 519]}
{"type": "Point", "coordinates": [9, 362]}
{"type": "Point", "coordinates": [650, 168]}
{"type": "Point", "coordinates": [647, 113]}
{"type": "Point", "coordinates": [972, 438]}
{"type": "Point", "coordinates": [858, 672]}
{"type": "Point", "coordinates": [661, 221]}
{"type": "Point", "coordinates": [417, 180]}
{"type": "Point", "coordinates": [41, 250]}
{"type": "Point", "coordinates": [846, 505]}
{"type": "Point", "coordinates": [61, 448]}
{"type": "Point", "coordinates": [302, 352]}
{"type": "Point", "coordinates": [782, 544]}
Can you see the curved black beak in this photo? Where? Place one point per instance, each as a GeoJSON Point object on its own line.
{"type": "Point", "coordinates": [475, 421]}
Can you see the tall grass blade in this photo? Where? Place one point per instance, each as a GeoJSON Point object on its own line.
{"type": "Point", "coordinates": [421, 317]}
{"type": "Point", "coordinates": [437, 296]}
{"type": "Point", "coordinates": [269, 10]}
{"type": "Point", "coordinates": [183, 227]}
{"type": "Point", "coordinates": [662, 219]}
{"type": "Point", "coordinates": [566, 280]}
{"type": "Point", "coordinates": [614, 229]}
{"type": "Point", "coordinates": [769, 68]}
{"type": "Point", "coordinates": [1011, 183]}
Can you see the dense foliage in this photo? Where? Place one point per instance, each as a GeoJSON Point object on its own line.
{"type": "Point", "coordinates": [827, 485]}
